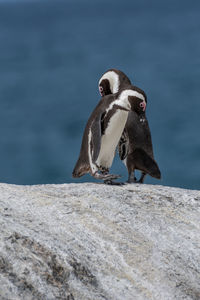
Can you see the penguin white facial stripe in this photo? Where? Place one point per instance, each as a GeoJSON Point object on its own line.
{"type": "Point", "coordinates": [124, 103]}
{"type": "Point", "coordinates": [113, 79]}
{"type": "Point", "coordinates": [125, 94]}
{"type": "Point", "coordinates": [92, 166]}
{"type": "Point", "coordinates": [123, 99]}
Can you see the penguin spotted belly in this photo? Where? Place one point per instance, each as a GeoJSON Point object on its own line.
{"type": "Point", "coordinates": [110, 138]}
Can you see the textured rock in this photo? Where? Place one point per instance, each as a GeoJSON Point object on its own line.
{"type": "Point", "coordinates": [92, 241]}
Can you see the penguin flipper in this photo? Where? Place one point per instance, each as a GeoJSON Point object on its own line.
{"type": "Point", "coordinates": [96, 137]}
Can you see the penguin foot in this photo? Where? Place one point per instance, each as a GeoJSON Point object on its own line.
{"type": "Point", "coordinates": [110, 182]}
{"type": "Point", "coordinates": [141, 180]}
{"type": "Point", "coordinates": [132, 180]}
{"type": "Point", "coordinates": [106, 177]}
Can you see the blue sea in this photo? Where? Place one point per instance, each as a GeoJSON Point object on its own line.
{"type": "Point", "coordinates": [52, 54]}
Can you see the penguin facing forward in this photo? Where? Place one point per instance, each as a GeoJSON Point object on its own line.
{"type": "Point", "coordinates": [135, 145]}
{"type": "Point", "coordinates": [103, 131]}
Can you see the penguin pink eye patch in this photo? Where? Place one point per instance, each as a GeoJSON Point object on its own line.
{"type": "Point", "coordinates": [100, 90]}
{"type": "Point", "coordinates": [143, 105]}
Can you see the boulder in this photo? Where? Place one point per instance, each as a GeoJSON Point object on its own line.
{"type": "Point", "coordinates": [92, 241]}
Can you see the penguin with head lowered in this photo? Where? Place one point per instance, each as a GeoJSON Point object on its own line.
{"type": "Point", "coordinates": [103, 132]}
{"type": "Point", "coordinates": [135, 145]}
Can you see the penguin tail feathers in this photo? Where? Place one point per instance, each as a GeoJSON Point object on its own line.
{"type": "Point", "coordinates": [80, 169]}
{"type": "Point", "coordinates": [145, 163]}
{"type": "Point", "coordinates": [76, 174]}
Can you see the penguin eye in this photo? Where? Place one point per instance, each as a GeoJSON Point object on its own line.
{"type": "Point", "coordinates": [143, 105]}
{"type": "Point", "coordinates": [100, 89]}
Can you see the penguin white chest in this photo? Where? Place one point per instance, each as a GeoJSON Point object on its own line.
{"type": "Point", "coordinates": [110, 138]}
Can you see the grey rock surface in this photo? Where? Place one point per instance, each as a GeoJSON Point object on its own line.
{"type": "Point", "coordinates": [92, 241]}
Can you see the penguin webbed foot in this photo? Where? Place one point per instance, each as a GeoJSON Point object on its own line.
{"type": "Point", "coordinates": [131, 178]}
{"type": "Point", "coordinates": [110, 182]}
{"type": "Point", "coordinates": [141, 180]}
{"type": "Point", "coordinates": [105, 177]}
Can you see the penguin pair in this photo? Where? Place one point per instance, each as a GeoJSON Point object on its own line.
{"type": "Point", "coordinates": [135, 145]}
{"type": "Point", "coordinates": [107, 128]}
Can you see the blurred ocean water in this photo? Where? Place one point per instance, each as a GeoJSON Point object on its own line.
{"type": "Point", "coordinates": [52, 54]}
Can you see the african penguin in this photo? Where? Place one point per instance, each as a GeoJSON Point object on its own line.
{"type": "Point", "coordinates": [103, 131]}
{"type": "Point", "coordinates": [135, 146]}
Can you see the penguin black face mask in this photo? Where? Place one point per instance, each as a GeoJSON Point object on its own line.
{"type": "Point", "coordinates": [104, 88]}
{"type": "Point", "coordinates": [137, 105]}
